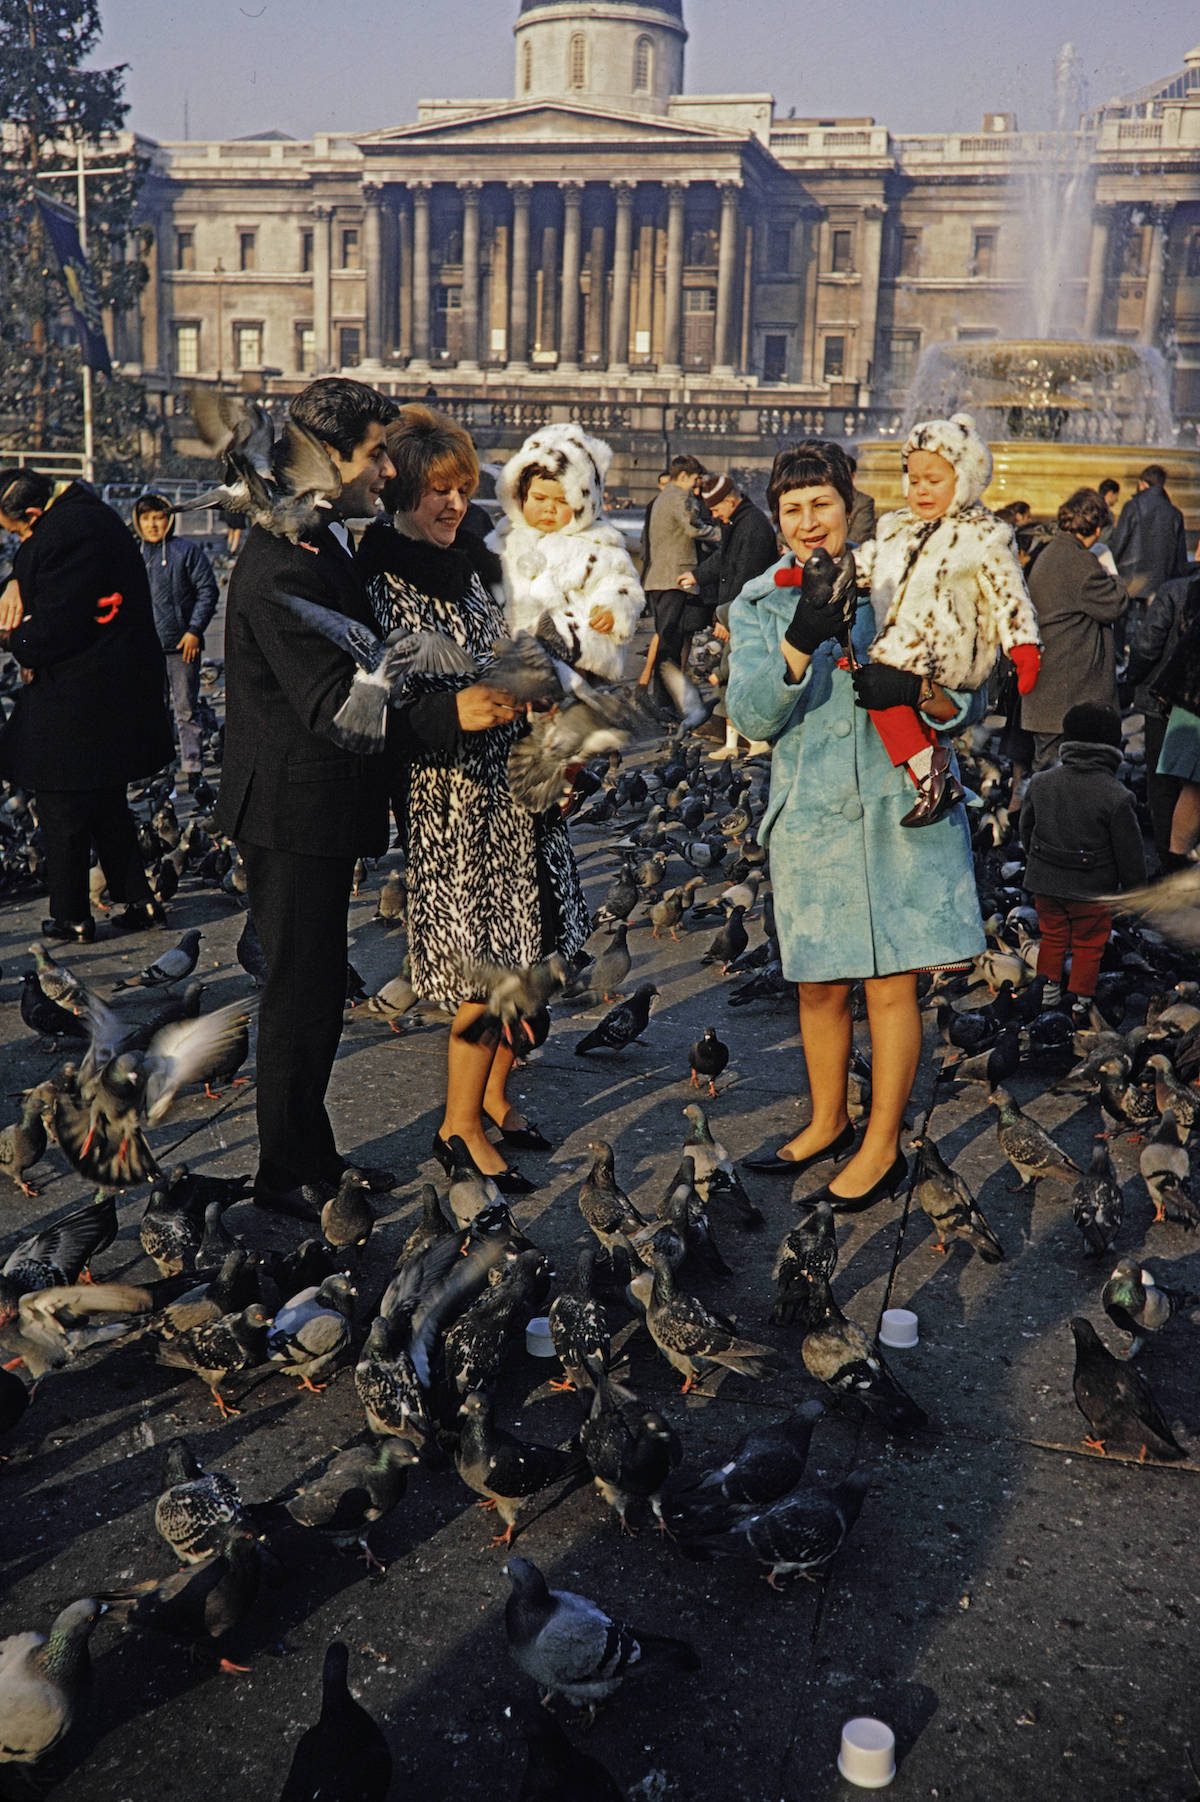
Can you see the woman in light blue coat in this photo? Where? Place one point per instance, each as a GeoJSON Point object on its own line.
{"type": "Point", "coordinates": [856, 896]}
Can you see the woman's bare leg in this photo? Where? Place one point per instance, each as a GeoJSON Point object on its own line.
{"type": "Point", "coordinates": [496, 1105]}
{"type": "Point", "coordinates": [1185, 821]}
{"type": "Point", "coordinates": [826, 1031]}
{"type": "Point", "coordinates": [895, 1021]}
{"type": "Point", "coordinates": [468, 1068]}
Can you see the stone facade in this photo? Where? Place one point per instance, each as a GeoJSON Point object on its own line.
{"type": "Point", "coordinates": [604, 227]}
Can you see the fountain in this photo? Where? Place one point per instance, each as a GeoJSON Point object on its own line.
{"type": "Point", "coordinates": [1059, 412]}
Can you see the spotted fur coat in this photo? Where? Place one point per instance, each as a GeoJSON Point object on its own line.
{"type": "Point", "coordinates": [948, 594]}
{"type": "Point", "coordinates": [567, 574]}
{"type": "Point", "coordinates": [487, 880]}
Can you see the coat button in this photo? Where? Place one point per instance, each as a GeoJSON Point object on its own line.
{"type": "Point", "coordinates": [852, 809]}
{"type": "Point", "coordinates": [840, 728]}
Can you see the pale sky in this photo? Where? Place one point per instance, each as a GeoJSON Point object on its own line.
{"type": "Point", "coordinates": [242, 66]}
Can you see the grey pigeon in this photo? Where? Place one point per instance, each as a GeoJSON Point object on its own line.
{"type": "Point", "coordinates": [1097, 1206]}
{"type": "Point", "coordinates": [690, 1337]}
{"type": "Point", "coordinates": [764, 1465]}
{"type": "Point", "coordinates": [42, 1680]}
{"type": "Point", "coordinates": [310, 1334]}
{"type": "Point", "coordinates": [1138, 1304]}
{"type": "Point", "coordinates": [603, 1203]}
{"type": "Point", "coordinates": [622, 1025]}
{"type": "Point", "coordinates": [950, 1205]}
{"type": "Point", "coordinates": [798, 1536]}
{"type": "Point", "coordinates": [842, 1357]}
{"type": "Point", "coordinates": [1027, 1146]}
{"type": "Point", "coordinates": [1122, 1415]}
{"type": "Point", "coordinates": [196, 1507]}
{"type": "Point", "coordinates": [173, 966]}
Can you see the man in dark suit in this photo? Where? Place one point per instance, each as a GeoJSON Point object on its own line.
{"type": "Point", "coordinates": [300, 808]}
{"type": "Point", "coordinates": [1148, 541]}
{"type": "Point", "coordinates": [91, 714]}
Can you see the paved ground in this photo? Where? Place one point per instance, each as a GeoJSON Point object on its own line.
{"type": "Point", "coordinates": [1018, 1609]}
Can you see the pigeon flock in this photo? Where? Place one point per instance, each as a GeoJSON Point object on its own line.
{"type": "Point", "coordinates": [719, 1413]}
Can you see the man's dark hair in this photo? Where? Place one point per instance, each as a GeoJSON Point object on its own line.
{"type": "Point", "coordinates": [1083, 513]}
{"type": "Point", "coordinates": [685, 466]}
{"type": "Point", "coordinates": [21, 489]}
{"type": "Point", "coordinates": [1154, 476]}
{"type": "Point", "coordinates": [813, 463]}
{"type": "Point", "coordinates": [338, 411]}
{"type": "Point", "coordinates": [852, 460]}
{"type": "Point", "coordinates": [1107, 487]}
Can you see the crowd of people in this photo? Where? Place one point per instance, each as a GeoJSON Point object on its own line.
{"type": "Point", "coordinates": [852, 669]}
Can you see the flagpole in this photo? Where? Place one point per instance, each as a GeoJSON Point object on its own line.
{"type": "Point", "coordinates": [89, 432]}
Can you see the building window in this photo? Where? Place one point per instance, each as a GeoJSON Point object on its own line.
{"type": "Point", "coordinates": [526, 66]}
{"type": "Point", "coordinates": [306, 348]}
{"type": "Point", "coordinates": [247, 346]}
{"type": "Point", "coordinates": [702, 248]}
{"type": "Point", "coordinates": [643, 65]}
{"type": "Point", "coordinates": [349, 244]}
{"type": "Point", "coordinates": [1193, 254]}
{"type": "Point", "coordinates": [904, 348]}
{"type": "Point", "coordinates": [841, 250]}
{"type": "Point", "coordinates": [835, 358]}
{"type": "Point", "coordinates": [1133, 251]}
{"type": "Point", "coordinates": [349, 346]}
{"type": "Point", "coordinates": [185, 249]}
{"type": "Point", "coordinates": [909, 263]}
{"type": "Point", "coordinates": [248, 250]}
{"type": "Point", "coordinates": [187, 349]}
{"type": "Point", "coordinates": [779, 249]}
{"type": "Point", "coordinates": [577, 61]}
{"type": "Point", "coordinates": [983, 254]}
{"type": "Point", "coordinates": [306, 252]}
{"type": "Point", "coordinates": [699, 300]}
{"type": "Point", "coordinates": [775, 357]}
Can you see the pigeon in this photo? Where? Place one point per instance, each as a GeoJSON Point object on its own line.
{"type": "Point", "coordinates": [630, 1453]}
{"type": "Point", "coordinates": [621, 899]}
{"type": "Point", "coordinates": [707, 1059]}
{"type": "Point", "coordinates": [602, 978]}
{"type": "Point", "coordinates": [689, 1336]}
{"type": "Point", "coordinates": [683, 1226]}
{"type": "Point", "coordinates": [286, 486]}
{"type": "Point", "coordinates": [1163, 1160]}
{"type": "Point", "coordinates": [169, 1232]}
{"type": "Point", "coordinates": [765, 1464]}
{"type": "Point", "coordinates": [1181, 1098]}
{"type": "Point", "coordinates": [173, 966]}
{"type": "Point", "coordinates": [995, 1065]}
{"type": "Point", "coordinates": [541, 763]}
{"type": "Point", "coordinates": [43, 1678]}
{"type": "Point", "coordinates": [1174, 1202]}
{"type": "Point", "coordinates": [471, 1192]}
{"type": "Point", "coordinates": [250, 953]}
{"type": "Point", "coordinates": [343, 1756]}
{"type": "Point", "coordinates": [202, 1604]}
{"type": "Point", "coordinates": [59, 1254]}
{"type": "Point", "coordinates": [666, 913]}
{"type": "Point", "coordinates": [346, 1218]}
{"type": "Point", "coordinates": [579, 1329]}
{"type": "Point", "coordinates": [196, 1508]}
{"type": "Point", "coordinates": [804, 1263]}
{"type": "Point", "coordinates": [216, 1349]}
{"type": "Point", "coordinates": [570, 1647]}
{"type": "Point", "coordinates": [1027, 1146]}
{"type": "Point", "coordinates": [473, 1348]}
{"type": "Point", "coordinates": [946, 1198]}
{"type": "Point", "coordinates": [311, 1333]}
{"type": "Point", "coordinates": [842, 1357]}
{"type": "Point", "coordinates": [54, 1325]}
{"type": "Point", "coordinates": [1168, 907]}
{"type": "Point", "coordinates": [391, 1396]}
{"type": "Point", "coordinates": [604, 1205]}
{"type": "Point", "coordinates": [56, 981]}
{"type": "Point", "coordinates": [46, 1017]}
{"type": "Point", "coordinates": [622, 1025]}
{"type": "Point", "coordinates": [1097, 1206]}
{"type": "Point", "coordinates": [393, 1000]}
{"type": "Point", "coordinates": [23, 1141]}
{"type": "Point", "coordinates": [729, 943]}
{"type": "Point", "coordinates": [1138, 1304]}
{"type": "Point", "coordinates": [352, 1490]}
{"type": "Point", "coordinates": [556, 1770]}
{"type": "Point", "coordinates": [1122, 1416]}
{"type": "Point", "coordinates": [502, 1469]}
{"type": "Point", "coordinates": [713, 1169]}
{"type": "Point", "coordinates": [800, 1535]}
{"type": "Point", "coordinates": [1130, 1105]}
{"type": "Point", "coordinates": [511, 996]}
{"type": "Point", "coordinates": [392, 906]}
{"type": "Point", "coordinates": [432, 1226]}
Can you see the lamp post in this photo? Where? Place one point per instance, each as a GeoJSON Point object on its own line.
{"type": "Point", "coordinates": [219, 272]}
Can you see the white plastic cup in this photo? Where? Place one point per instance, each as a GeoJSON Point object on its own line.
{"type": "Point", "coordinates": [868, 1755]}
{"type": "Point", "coordinates": [899, 1329]}
{"type": "Point", "coordinates": [538, 1342]}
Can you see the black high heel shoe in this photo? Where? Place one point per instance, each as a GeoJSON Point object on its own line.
{"type": "Point", "coordinates": [886, 1186]}
{"type": "Point", "coordinates": [774, 1165]}
{"type": "Point", "coordinates": [525, 1138]}
{"type": "Point", "coordinates": [508, 1181]}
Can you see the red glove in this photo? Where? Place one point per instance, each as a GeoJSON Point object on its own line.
{"type": "Point", "coordinates": [791, 577]}
{"type": "Point", "coordinates": [1027, 660]}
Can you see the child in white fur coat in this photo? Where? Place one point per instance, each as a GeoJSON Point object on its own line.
{"type": "Point", "coordinates": [562, 563]}
{"type": "Point", "coordinates": [948, 595]}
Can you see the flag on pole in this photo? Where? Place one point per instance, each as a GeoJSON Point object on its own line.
{"type": "Point", "coordinates": [63, 233]}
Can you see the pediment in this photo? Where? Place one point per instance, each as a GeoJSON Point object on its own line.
{"type": "Point", "coordinates": [545, 121]}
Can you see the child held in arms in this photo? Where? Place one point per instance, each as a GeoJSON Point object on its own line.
{"type": "Point", "coordinates": [948, 595]}
{"type": "Point", "coordinates": [567, 575]}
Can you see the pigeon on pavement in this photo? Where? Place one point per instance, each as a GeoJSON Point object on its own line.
{"type": "Point", "coordinates": [1122, 1415]}
{"type": "Point", "coordinates": [343, 1756]}
{"type": "Point", "coordinates": [1138, 1304]}
{"type": "Point", "coordinates": [1097, 1206]}
{"type": "Point", "coordinates": [1027, 1146]}
{"type": "Point", "coordinates": [43, 1679]}
{"type": "Point", "coordinates": [622, 1024]}
{"type": "Point", "coordinates": [946, 1198]}
{"type": "Point", "coordinates": [173, 966]}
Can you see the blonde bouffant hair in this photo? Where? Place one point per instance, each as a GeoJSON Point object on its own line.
{"type": "Point", "coordinates": [427, 448]}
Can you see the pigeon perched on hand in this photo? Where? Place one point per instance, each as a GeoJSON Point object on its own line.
{"type": "Point", "coordinates": [570, 1647]}
{"type": "Point", "coordinates": [1122, 1415]}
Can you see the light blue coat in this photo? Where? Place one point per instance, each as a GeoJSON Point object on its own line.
{"type": "Point", "coordinates": [856, 894]}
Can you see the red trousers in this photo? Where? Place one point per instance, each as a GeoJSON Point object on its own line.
{"type": "Point", "coordinates": [1080, 927]}
{"type": "Point", "coordinates": [902, 731]}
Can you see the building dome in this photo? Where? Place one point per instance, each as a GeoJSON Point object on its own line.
{"type": "Point", "coordinates": [624, 54]}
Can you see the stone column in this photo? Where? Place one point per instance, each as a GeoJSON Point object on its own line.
{"type": "Point", "coordinates": [422, 277]}
{"type": "Point", "coordinates": [322, 329]}
{"type": "Point", "coordinates": [548, 283]}
{"type": "Point", "coordinates": [568, 337]}
{"type": "Point", "coordinates": [622, 280]}
{"type": "Point", "coordinates": [868, 303]}
{"type": "Point", "coordinates": [518, 333]}
{"type": "Point", "coordinates": [373, 271]}
{"type": "Point", "coordinates": [404, 290]}
{"type": "Point", "coordinates": [726, 272]}
{"type": "Point", "coordinates": [673, 318]}
{"type": "Point", "coordinates": [470, 274]}
{"type": "Point", "coordinates": [1097, 272]}
{"type": "Point", "coordinates": [593, 336]}
{"type": "Point", "coordinates": [1160, 220]}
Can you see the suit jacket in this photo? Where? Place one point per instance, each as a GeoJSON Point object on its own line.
{"type": "Point", "coordinates": [1077, 603]}
{"type": "Point", "coordinates": [95, 714]}
{"type": "Point", "coordinates": [284, 784]}
{"type": "Point", "coordinates": [675, 530]}
{"type": "Point", "coordinates": [1148, 542]}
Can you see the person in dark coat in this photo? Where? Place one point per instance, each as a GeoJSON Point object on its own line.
{"type": "Point", "coordinates": [91, 715]}
{"type": "Point", "coordinates": [1177, 688]}
{"type": "Point", "coordinates": [1155, 626]}
{"type": "Point", "coordinates": [862, 513]}
{"type": "Point", "coordinates": [1080, 832]}
{"type": "Point", "coordinates": [1078, 604]}
{"type": "Point", "coordinates": [183, 589]}
{"type": "Point", "coordinates": [301, 809]}
{"type": "Point", "coordinates": [749, 544]}
{"type": "Point", "coordinates": [1148, 541]}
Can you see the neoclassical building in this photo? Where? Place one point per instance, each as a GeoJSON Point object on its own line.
{"type": "Point", "coordinates": [603, 233]}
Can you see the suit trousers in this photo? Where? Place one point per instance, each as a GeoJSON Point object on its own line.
{"type": "Point", "coordinates": [299, 905]}
{"type": "Point", "coordinates": [75, 819]}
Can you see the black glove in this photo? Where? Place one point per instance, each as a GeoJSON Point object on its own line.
{"type": "Point", "coordinates": [811, 626]}
{"type": "Point", "coordinates": [877, 686]}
